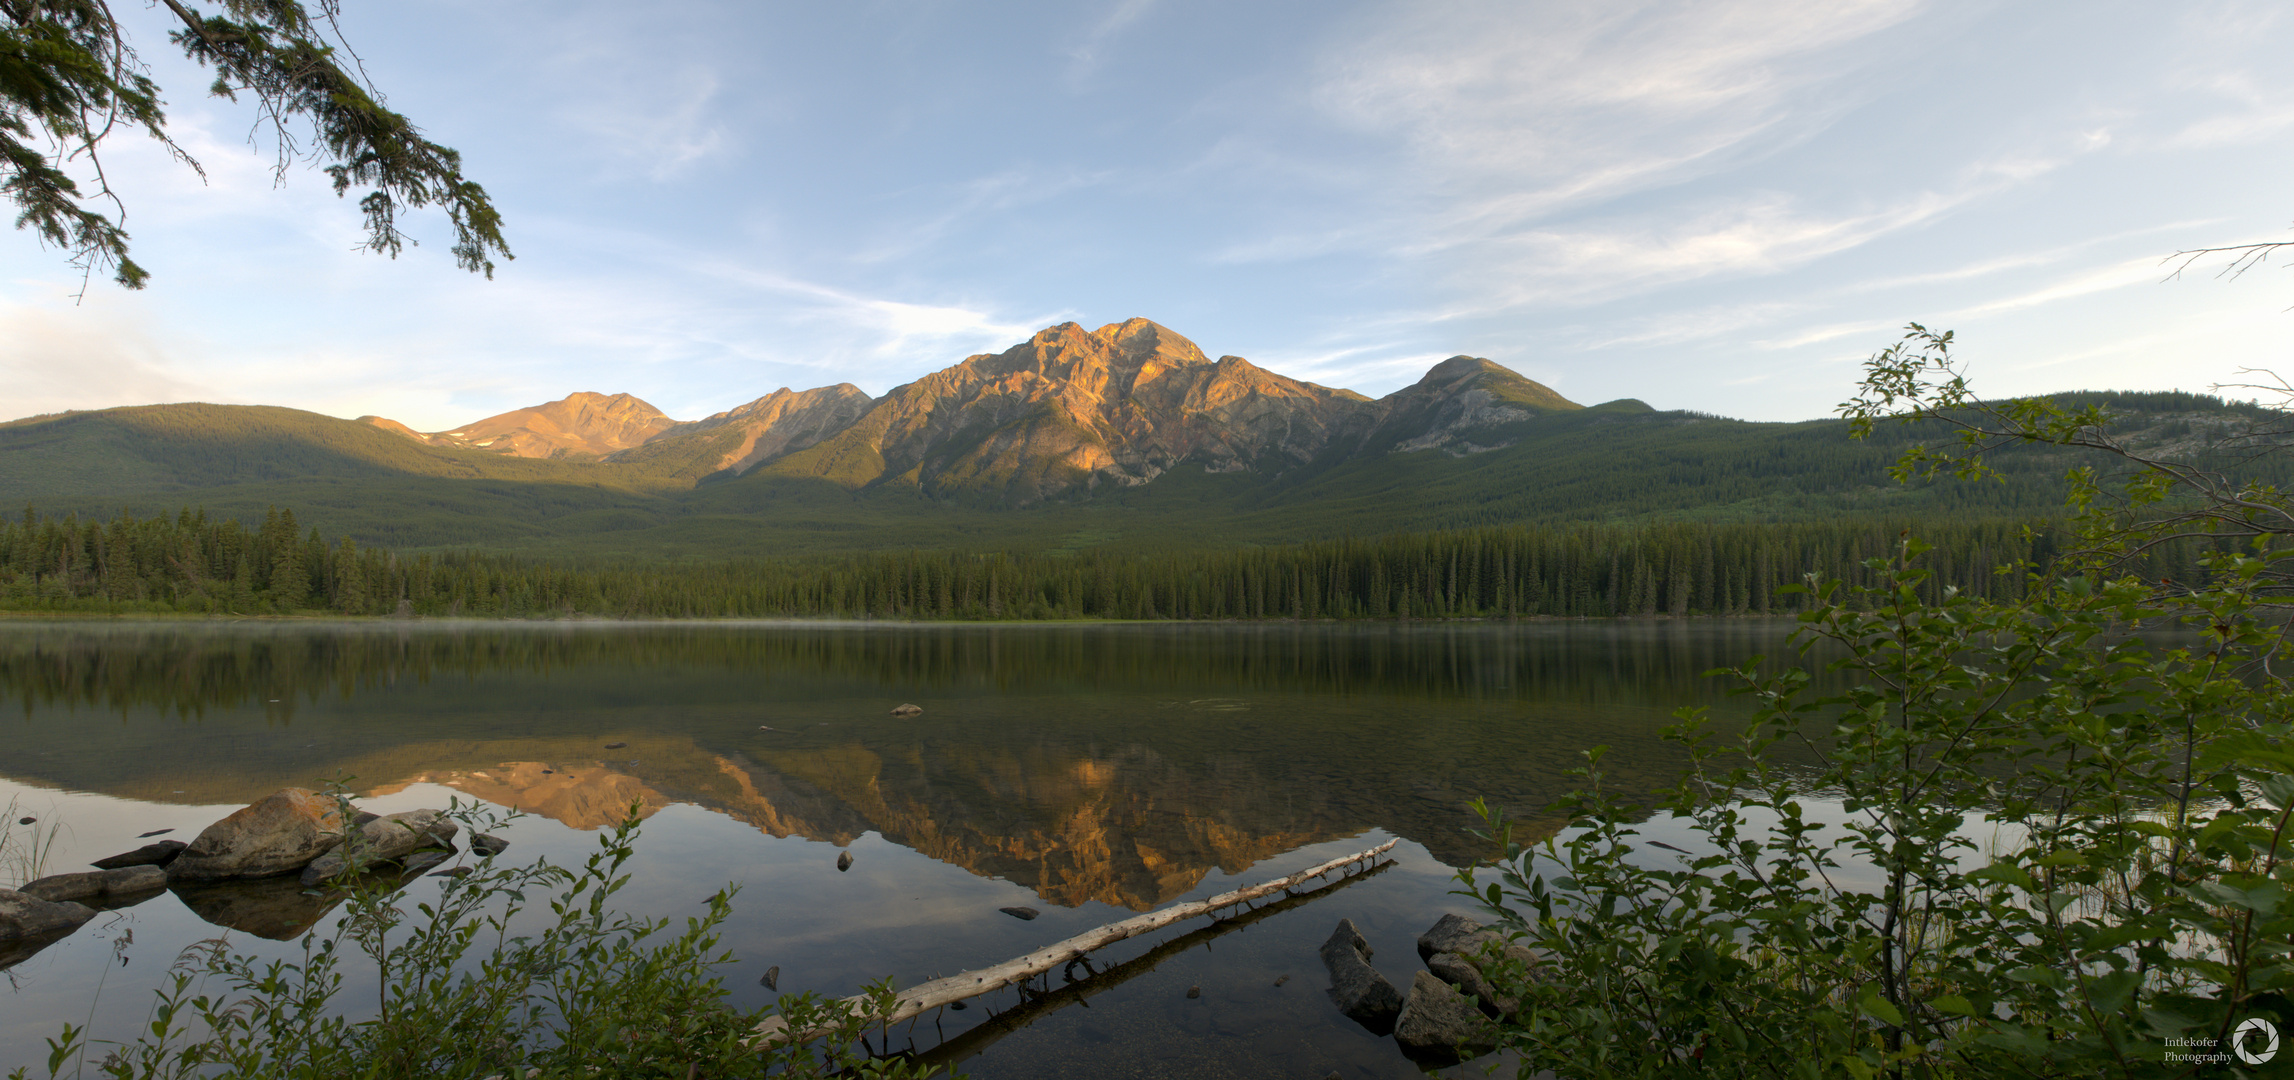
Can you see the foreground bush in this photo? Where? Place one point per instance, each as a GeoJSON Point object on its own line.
{"type": "Point", "coordinates": [2065, 850]}
{"type": "Point", "coordinates": [462, 994]}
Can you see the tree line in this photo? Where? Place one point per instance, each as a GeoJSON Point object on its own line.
{"type": "Point", "coordinates": [194, 564]}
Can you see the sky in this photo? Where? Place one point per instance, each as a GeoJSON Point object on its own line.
{"type": "Point", "coordinates": [1721, 205]}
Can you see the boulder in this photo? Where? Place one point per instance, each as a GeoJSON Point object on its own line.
{"type": "Point", "coordinates": [1438, 1024]}
{"type": "Point", "coordinates": [1356, 987]}
{"type": "Point", "coordinates": [124, 881]}
{"type": "Point", "coordinates": [159, 854]}
{"type": "Point", "coordinates": [1456, 934]}
{"type": "Point", "coordinates": [1464, 974]}
{"type": "Point", "coordinates": [385, 839]}
{"type": "Point", "coordinates": [488, 846]}
{"type": "Point", "coordinates": [23, 916]}
{"type": "Point", "coordinates": [279, 834]}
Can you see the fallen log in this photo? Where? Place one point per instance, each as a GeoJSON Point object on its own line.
{"type": "Point", "coordinates": [1033, 1007]}
{"type": "Point", "coordinates": [924, 997]}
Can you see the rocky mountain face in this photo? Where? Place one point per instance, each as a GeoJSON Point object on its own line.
{"type": "Point", "coordinates": [582, 424]}
{"type": "Point", "coordinates": [1066, 413]}
{"type": "Point", "coordinates": [1071, 410]}
{"type": "Point", "coordinates": [734, 441]}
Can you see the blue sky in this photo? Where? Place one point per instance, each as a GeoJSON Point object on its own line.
{"type": "Point", "coordinates": [1722, 206]}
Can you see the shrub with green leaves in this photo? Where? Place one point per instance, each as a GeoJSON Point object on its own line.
{"type": "Point", "coordinates": [2044, 838]}
{"type": "Point", "coordinates": [462, 991]}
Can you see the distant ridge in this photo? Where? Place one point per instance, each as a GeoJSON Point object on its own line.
{"type": "Point", "coordinates": [1126, 436]}
{"type": "Point", "coordinates": [1067, 411]}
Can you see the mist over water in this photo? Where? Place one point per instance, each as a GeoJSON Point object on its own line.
{"type": "Point", "coordinates": [1088, 771]}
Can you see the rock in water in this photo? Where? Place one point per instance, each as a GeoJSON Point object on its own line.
{"type": "Point", "coordinates": [908, 710]}
{"type": "Point", "coordinates": [26, 916]}
{"type": "Point", "coordinates": [1439, 1024]}
{"type": "Point", "coordinates": [159, 854]}
{"type": "Point", "coordinates": [1194, 992]}
{"type": "Point", "coordinates": [1356, 987]}
{"type": "Point", "coordinates": [279, 834]}
{"type": "Point", "coordinates": [615, 745]}
{"type": "Point", "coordinates": [152, 833]}
{"type": "Point", "coordinates": [386, 839]}
{"type": "Point", "coordinates": [1455, 934]}
{"type": "Point", "coordinates": [26, 820]}
{"type": "Point", "coordinates": [843, 861]}
{"type": "Point", "coordinates": [454, 872]}
{"type": "Point", "coordinates": [1460, 972]}
{"type": "Point", "coordinates": [772, 979]}
{"type": "Point", "coordinates": [487, 845]}
{"type": "Point", "coordinates": [421, 860]}
{"type": "Point", "coordinates": [127, 880]}
{"type": "Point", "coordinates": [1025, 913]}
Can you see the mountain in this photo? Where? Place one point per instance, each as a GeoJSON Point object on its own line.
{"type": "Point", "coordinates": [1128, 435]}
{"type": "Point", "coordinates": [733, 441]}
{"type": "Point", "coordinates": [1069, 411]}
{"type": "Point", "coordinates": [583, 424]}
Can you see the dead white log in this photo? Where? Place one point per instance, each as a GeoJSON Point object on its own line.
{"type": "Point", "coordinates": [924, 997]}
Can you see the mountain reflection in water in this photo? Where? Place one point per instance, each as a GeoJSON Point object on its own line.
{"type": "Point", "coordinates": [1112, 763]}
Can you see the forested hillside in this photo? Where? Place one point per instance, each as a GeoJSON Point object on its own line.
{"type": "Point", "coordinates": [193, 564]}
{"type": "Point", "coordinates": [1619, 464]}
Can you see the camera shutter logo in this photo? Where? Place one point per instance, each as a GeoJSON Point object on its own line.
{"type": "Point", "coordinates": [2245, 1037]}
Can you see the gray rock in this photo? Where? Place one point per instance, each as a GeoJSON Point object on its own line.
{"type": "Point", "coordinates": [385, 839]}
{"type": "Point", "coordinates": [1462, 973]}
{"type": "Point", "coordinates": [455, 871]}
{"type": "Point", "coordinates": [487, 845]}
{"type": "Point", "coordinates": [422, 860]}
{"type": "Point", "coordinates": [843, 861]}
{"type": "Point", "coordinates": [908, 710]}
{"type": "Point", "coordinates": [126, 880]}
{"type": "Point", "coordinates": [772, 979]}
{"type": "Point", "coordinates": [1356, 987]}
{"type": "Point", "coordinates": [159, 854]}
{"type": "Point", "coordinates": [1438, 1024]}
{"type": "Point", "coordinates": [278, 834]}
{"type": "Point", "coordinates": [23, 916]}
{"type": "Point", "coordinates": [1022, 913]}
{"type": "Point", "coordinates": [1455, 934]}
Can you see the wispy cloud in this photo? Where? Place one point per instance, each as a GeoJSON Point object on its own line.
{"type": "Point", "coordinates": [1085, 56]}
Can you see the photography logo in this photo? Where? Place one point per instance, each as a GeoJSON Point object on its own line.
{"type": "Point", "coordinates": [2255, 1041]}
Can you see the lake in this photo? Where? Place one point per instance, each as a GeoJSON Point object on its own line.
{"type": "Point", "coordinates": [1089, 771]}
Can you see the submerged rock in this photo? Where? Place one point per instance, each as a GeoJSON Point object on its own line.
{"type": "Point", "coordinates": [124, 881]}
{"type": "Point", "coordinates": [772, 979]}
{"type": "Point", "coordinates": [386, 839]}
{"type": "Point", "coordinates": [159, 854]}
{"type": "Point", "coordinates": [843, 861]}
{"type": "Point", "coordinates": [1438, 1024]}
{"type": "Point", "coordinates": [908, 710]}
{"type": "Point", "coordinates": [1355, 987]}
{"type": "Point", "coordinates": [1023, 913]}
{"type": "Point", "coordinates": [279, 834]}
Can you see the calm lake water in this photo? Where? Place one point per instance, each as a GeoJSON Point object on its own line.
{"type": "Point", "coordinates": [1091, 772]}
